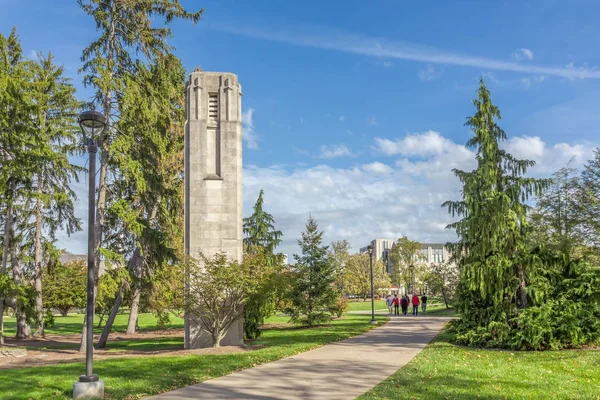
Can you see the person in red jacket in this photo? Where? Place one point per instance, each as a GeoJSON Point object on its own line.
{"type": "Point", "coordinates": [415, 303]}
{"type": "Point", "coordinates": [396, 303]}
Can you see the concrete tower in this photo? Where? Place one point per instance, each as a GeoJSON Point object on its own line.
{"type": "Point", "coordinates": [213, 179]}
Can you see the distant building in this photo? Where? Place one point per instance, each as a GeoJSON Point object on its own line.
{"type": "Point", "coordinates": [381, 251]}
{"type": "Point", "coordinates": [430, 253]}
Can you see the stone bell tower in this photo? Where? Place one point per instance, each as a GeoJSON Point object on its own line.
{"type": "Point", "coordinates": [213, 179]}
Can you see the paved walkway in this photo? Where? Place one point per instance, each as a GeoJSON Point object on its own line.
{"type": "Point", "coordinates": [339, 371]}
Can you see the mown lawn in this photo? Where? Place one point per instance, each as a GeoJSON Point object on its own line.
{"type": "Point", "coordinates": [73, 323]}
{"type": "Point", "coordinates": [134, 378]}
{"type": "Point", "coordinates": [366, 305]}
{"type": "Point", "coordinates": [446, 371]}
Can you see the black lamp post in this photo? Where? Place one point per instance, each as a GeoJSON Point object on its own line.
{"type": "Point", "coordinates": [412, 278]}
{"type": "Point", "coordinates": [370, 250]}
{"type": "Point", "coordinates": [92, 125]}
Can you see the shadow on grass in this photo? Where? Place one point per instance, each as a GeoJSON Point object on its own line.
{"type": "Point", "coordinates": [137, 377]}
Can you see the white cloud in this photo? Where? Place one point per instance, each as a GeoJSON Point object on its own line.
{"type": "Point", "coordinates": [522, 54]}
{"type": "Point", "coordinates": [339, 150]}
{"type": "Point", "coordinates": [377, 168]}
{"type": "Point", "coordinates": [359, 203]}
{"type": "Point", "coordinates": [416, 144]}
{"type": "Point", "coordinates": [372, 121]}
{"type": "Point", "coordinates": [429, 73]}
{"type": "Point", "coordinates": [342, 118]}
{"type": "Point", "coordinates": [548, 158]}
{"type": "Point", "coordinates": [248, 134]}
{"type": "Point", "coordinates": [382, 48]}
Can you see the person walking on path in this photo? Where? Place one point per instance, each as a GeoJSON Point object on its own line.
{"type": "Point", "coordinates": [396, 302]}
{"type": "Point", "coordinates": [415, 303]}
{"type": "Point", "coordinates": [404, 304]}
{"type": "Point", "coordinates": [423, 303]}
{"type": "Point", "coordinates": [390, 303]}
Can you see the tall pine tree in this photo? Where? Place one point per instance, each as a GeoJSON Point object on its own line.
{"type": "Point", "coordinates": [126, 28]}
{"type": "Point", "coordinates": [312, 290]}
{"type": "Point", "coordinates": [491, 248]}
{"type": "Point", "coordinates": [56, 107]}
{"type": "Point", "coordinates": [259, 249]}
{"type": "Point", "coordinates": [148, 156]}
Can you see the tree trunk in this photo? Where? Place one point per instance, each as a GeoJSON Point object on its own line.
{"type": "Point", "coordinates": [133, 313]}
{"type": "Point", "coordinates": [118, 301]}
{"type": "Point", "coordinates": [137, 273]}
{"type": "Point", "coordinates": [522, 287]}
{"type": "Point", "coordinates": [64, 313]}
{"type": "Point", "coordinates": [7, 229]}
{"type": "Point", "coordinates": [111, 319]}
{"type": "Point", "coordinates": [39, 308]}
{"type": "Point", "coordinates": [23, 329]}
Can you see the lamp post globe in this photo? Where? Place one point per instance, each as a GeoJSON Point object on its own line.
{"type": "Point", "coordinates": [92, 124]}
{"type": "Point", "coordinates": [370, 250]}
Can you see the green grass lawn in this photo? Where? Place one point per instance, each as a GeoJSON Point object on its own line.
{"type": "Point", "coordinates": [366, 305]}
{"type": "Point", "coordinates": [73, 324]}
{"type": "Point", "coordinates": [133, 378]}
{"type": "Point", "coordinates": [147, 322]}
{"type": "Point", "coordinates": [446, 371]}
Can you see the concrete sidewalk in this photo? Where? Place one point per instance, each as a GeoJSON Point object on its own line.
{"type": "Point", "coordinates": [343, 370]}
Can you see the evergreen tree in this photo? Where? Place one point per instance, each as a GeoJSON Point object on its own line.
{"type": "Point", "coordinates": [259, 228]}
{"type": "Point", "coordinates": [590, 179]}
{"type": "Point", "coordinates": [54, 98]}
{"type": "Point", "coordinates": [312, 290]}
{"type": "Point", "coordinates": [148, 156]}
{"type": "Point", "coordinates": [491, 252]}
{"type": "Point", "coordinates": [125, 29]}
{"type": "Point", "coordinates": [18, 142]}
{"type": "Point", "coordinates": [259, 247]}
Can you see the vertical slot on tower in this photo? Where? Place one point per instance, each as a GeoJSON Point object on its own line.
{"type": "Point", "coordinates": [214, 136]}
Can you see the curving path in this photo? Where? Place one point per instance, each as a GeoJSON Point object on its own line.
{"type": "Point", "coordinates": [339, 371]}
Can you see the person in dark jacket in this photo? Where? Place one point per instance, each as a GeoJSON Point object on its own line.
{"type": "Point", "coordinates": [423, 303]}
{"type": "Point", "coordinates": [404, 304]}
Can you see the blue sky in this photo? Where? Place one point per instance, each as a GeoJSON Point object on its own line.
{"type": "Point", "coordinates": [355, 112]}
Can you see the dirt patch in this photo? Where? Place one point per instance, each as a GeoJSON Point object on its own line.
{"type": "Point", "coordinates": [75, 339]}
{"type": "Point", "coordinates": [44, 357]}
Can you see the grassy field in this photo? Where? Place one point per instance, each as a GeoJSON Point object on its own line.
{"type": "Point", "coordinates": [73, 324]}
{"type": "Point", "coordinates": [133, 378]}
{"type": "Point", "coordinates": [446, 371]}
{"type": "Point", "coordinates": [366, 305]}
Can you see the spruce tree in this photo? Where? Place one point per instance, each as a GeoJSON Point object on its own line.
{"type": "Point", "coordinates": [148, 156]}
{"type": "Point", "coordinates": [259, 249]}
{"type": "Point", "coordinates": [590, 199]}
{"type": "Point", "coordinates": [491, 249]}
{"type": "Point", "coordinates": [56, 106]}
{"type": "Point", "coordinates": [126, 28]}
{"type": "Point", "coordinates": [17, 144]}
{"type": "Point", "coordinates": [312, 290]}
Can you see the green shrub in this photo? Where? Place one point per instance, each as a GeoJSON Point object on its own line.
{"type": "Point", "coordinates": [312, 319]}
{"type": "Point", "coordinates": [566, 316]}
{"type": "Point", "coordinates": [49, 319]}
{"type": "Point", "coordinates": [339, 307]}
